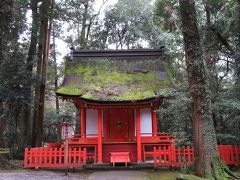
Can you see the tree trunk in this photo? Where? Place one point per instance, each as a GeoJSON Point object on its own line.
{"type": "Point", "coordinates": [207, 11]}
{"type": "Point", "coordinates": [55, 70]}
{"type": "Point", "coordinates": [35, 125]}
{"type": "Point", "coordinates": [6, 17]}
{"type": "Point", "coordinates": [43, 50]}
{"type": "Point", "coordinates": [56, 81]}
{"type": "Point", "coordinates": [77, 124]}
{"type": "Point", "coordinates": [169, 23]}
{"type": "Point", "coordinates": [237, 55]}
{"type": "Point", "coordinates": [207, 162]}
{"type": "Point", "coordinates": [19, 129]}
{"type": "Point", "coordinates": [29, 68]}
{"type": "Point", "coordinates": [83, 42]}
{"type": "Point", "coordinates": [2, 124]}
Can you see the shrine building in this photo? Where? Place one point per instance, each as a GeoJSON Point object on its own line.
{"type": "Point", "coordinates": [117, 93]}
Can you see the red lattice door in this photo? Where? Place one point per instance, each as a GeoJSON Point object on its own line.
{"type": "Point", "coordinates": [118, 124]}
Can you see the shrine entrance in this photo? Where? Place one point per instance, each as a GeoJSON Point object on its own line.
{"type": "Point", "coordinates": [119, 125]}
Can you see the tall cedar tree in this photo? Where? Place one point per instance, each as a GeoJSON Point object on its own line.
{"type": "Point", "coordinates": [54, 55]}
{"type": "Point", "coordinates": [43, 51]}
{"type": "Point", "coordinates": [29, 68]}
{"type": "Point", "coordinates": [207, 161]}
{"type": "Point", "coordinates": [6, 16]}
{"type": "Point", "coordinates": [237, 54]}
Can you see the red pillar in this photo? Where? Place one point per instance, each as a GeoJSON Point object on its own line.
{"type": "Point", "coordinates": [99, 136]}
{"type": "Point", "coordinates": [83, 121]}
{"type": "Point", "coordinates": [154, 121]}
{"type": "Point", "coordinates": [139, 143]}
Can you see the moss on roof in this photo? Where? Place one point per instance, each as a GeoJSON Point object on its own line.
{"type": "Point", "coordinates": [116, 79]}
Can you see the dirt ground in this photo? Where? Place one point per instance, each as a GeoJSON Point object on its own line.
{"type": "Point", "coordinates": [41, 175]}
{"type": "Point", "coordinates": [90, 175]}
{"type": "Point", "coordinates": [60, 175]}
{"type": "Point", "coordinates": [84, 175]}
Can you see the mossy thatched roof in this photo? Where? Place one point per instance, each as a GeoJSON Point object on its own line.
{"type": "Point", "coordinates": [117, 75]}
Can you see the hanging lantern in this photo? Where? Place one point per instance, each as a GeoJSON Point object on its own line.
{"type": "Point", "coordinates": [67, 130]}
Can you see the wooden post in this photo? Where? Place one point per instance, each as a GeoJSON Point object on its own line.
{"type": "Point", "coordinates": [26, 152]}
{"type": "Point", "coordinates": [83, 121]}
{"type": "Point", "coordinates": [99, 136]}
{"type": "Point", "coordinates": [66, 156]}
{"type": "Point", "coordinates": [154, 157]}
{"type": "Point", "coordinates": [105, 128]}
{"type": "Point", "coordinates": [236, 152]}
{"type": "Point", "coordinates": [139, 144]}
{"type": "Point", "coordinates": [154, 122]}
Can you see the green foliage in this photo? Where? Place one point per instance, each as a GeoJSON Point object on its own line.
{"type": "Point", "coordinates": [129, 24]}
{"type": "Point", "coordinates": [166, 19]}
{"type": "Point", "coordinates": [78, 18]}
{"type": "Point", "coordinates": [174, 116]}
{"type": "Point", "coordinates": [53, 118]}
{"type": "Point", "coordinates": [13, 92]}
{"type": "Point", "coordinates": [227, 118]}
{"type": "Point", "coordinates": [165, 14]}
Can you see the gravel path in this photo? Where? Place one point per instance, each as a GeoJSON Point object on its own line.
{"type": "Point", "coordinates": [119, 175]}
{"type": "Point", "coordinates": [41, 175]}
{"type": "Point", "coordinates": [60, 175]}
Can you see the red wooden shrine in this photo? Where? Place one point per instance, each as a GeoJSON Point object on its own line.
{"type": "Point", "coordinates": [114, 128]}
{"type": "Point", "coordinates": [110, 125]}
{"type": "Point", "coordinates": [119, 130]}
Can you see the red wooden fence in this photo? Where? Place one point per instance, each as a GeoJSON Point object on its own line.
{"type": "Point", "coordinates": [54, 158]}
{"type": "Point", "coordinates": [230, 154]}
{"type": "Point", "coordinates": [163, 155]}
{"type": "Point", "coordinates": [172, 156]}
{"type": "Point", "coordinates": [178, 156]}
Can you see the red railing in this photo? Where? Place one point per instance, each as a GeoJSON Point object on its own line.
{"type": "Point", "coordinates": [55, 158]}
{"type": "Point", "coordinates": [163, 155]}
{"type": "Point", "coordinates": [178, 156]}
{"type": "Point", "coordinates": [172, 156]}
{"type": "Point", "coordinates": [88, 139]}
{"type": "Point", "coordinates": [54, 145]}
{"type": "Point", "coordinates": [230, 154]}
{"type": "Point", "coordinates": [161, 138]}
